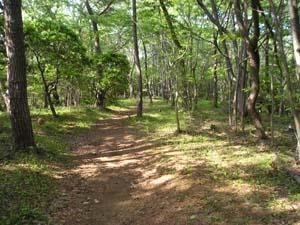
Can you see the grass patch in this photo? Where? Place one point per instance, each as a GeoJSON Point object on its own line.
{"type": "Point", "coordinates": [27, 181]}
{"type": "Point", "coordinates": [158, 118]}
{"type": "Point", "coordinates": [235, 170]}
{"type": "Point", "coordinates": [228, 178]}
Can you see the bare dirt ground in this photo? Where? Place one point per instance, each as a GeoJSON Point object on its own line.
{"type": "Point", "coordinates": [114, 181]}
{"type": "Point", "coordinates": [123, 178]}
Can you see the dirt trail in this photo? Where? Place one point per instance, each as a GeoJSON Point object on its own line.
{"type": "Point", "coordinates": [121, 177]}
{"type": "Point", "coordinates": [115, 179]}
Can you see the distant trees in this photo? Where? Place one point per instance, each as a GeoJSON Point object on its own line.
{"type": "Point", "coordinates": [22, 132]}
{"type": "Point", "coordinates": [220, 51]}
{"type": "Point", "coordinates": [57, 54]}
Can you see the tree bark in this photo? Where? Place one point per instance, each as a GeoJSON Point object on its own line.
{"type": "Point", "coordinates": [215, 82]}
{"type": "Point", "coordinates": [149, 92]}
{"type": "Point", "coordinates": [283, 62]}
{"type": "Point", "coordinates": [22, 131]}
{"type": "Point", "coordinates": [137, 61]}
{"type": "Point", "coordinates": [100, 100]}
{"type": "Point", "coordinates": [5, 96]}
{"type": "Point", "coordinates": [97, 47]}
{"type": "Point", "coordinates": [294, 19]}
{"type": "Point", "coordinates": [295, 25]}
{"type": "Point", "coordinates": [47, 95]}
{"type": "Point", "coordinates": [254, 60]}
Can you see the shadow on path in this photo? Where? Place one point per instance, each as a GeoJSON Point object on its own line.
{"type": "Point", "coordinates": [121, 178]}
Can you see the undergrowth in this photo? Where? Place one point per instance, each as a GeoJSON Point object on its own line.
{"type": "Point", "coordinates": [27, 181]}
{"type": "Point", "coordinates": [238, 167]}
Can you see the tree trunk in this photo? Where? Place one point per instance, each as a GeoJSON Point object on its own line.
{"type": "Point", "coordinates": [283, 62]}
{"type": "Point", "coordinates": [100, 94]}
{"type": "Point", "coordinates": [270, 89]}
{"type": "Point", "coordinates": [131, 82]}
{"type": "Point", "coordinates": [137, 61]}
{"type": "Point", "coordinates": [100, 100]}
{"type": "Point", "coordinates": [48, 99]}
{"type": "Point", "coordinates": [22, 132]}
{"type": "Point", "coordinates": [95, 27]}
{"type": "Point", "coordinates": [295, 25]}
{"type": "Point", "coordinates": [46, 105]}
{"type": "Point", "coordinates": [254, 60]}
{"type": "Point", "coordinates": [254, 64]}
{"type": "Point", "coordinates": [5, 97]}
{"type": "Point", "coordinates": [215, 89]}
{"type": "Point", "coordinates": [294, 18]}
{"type": "Point", "coordinates": [181, 63]}
{"type": "Point", "coordinates": [149, 92]}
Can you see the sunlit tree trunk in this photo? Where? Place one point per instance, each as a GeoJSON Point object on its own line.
{"type": "Point", "coordinates": [149, 91]}
{"type": "Point", "coordinates": [294, 18]}
{"type": "Point", "coordinates": [5, 96]}
{"type": "Point", "coordinates": [295, 25]}
{"type": "Point", "coordinates": [137, 61]}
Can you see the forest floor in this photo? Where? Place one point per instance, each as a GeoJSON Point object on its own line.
{"type": "Point", "coordinates": [128, 171]}
{"type": "Point", "coordinates": [138, 172]}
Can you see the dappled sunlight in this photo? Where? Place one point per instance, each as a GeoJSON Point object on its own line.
{"type": "Point", "coordinates": [121, 176]}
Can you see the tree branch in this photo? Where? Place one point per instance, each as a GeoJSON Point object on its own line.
{"type": "Point", "coordinates": [106, 8]}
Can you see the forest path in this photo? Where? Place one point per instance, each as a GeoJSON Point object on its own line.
{"type": "Point", "coordinates": [119, 176]}
{"type": "Point", "coordinates": [115, 180]}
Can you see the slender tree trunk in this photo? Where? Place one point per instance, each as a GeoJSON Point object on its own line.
{"type": "Point", "coordinates": [97, 47]}
{"type": "Point", "coordinates": [137, 60]}
{"type": "Point", "coordinates": [22, 132]}
{"type": "Point", "coordinates": [46, 105]}
{"type": "Point", "coordinates": [254, 65]}
{"type": "Point", "coordinates": [294, 18]}
{"type": "Point", "coordinates": [100, 100]}
{"type": "Point", "coordinates": [295, 25]}
{"type": "Point", "coordinates": [283, 62]}
{"type": "Point", "coordinates": [254, 60]}
{"type": "Point", "coordinates": [100, 94]}
{"type": "Point", "coordinates": [272, 107]}
{"type": "Point", "coordinates": [181, 63]}
{"type": "Point", "coordinates": [47, 95]}
{"type": "Point", "coordinates": [215, 80]}
{"type": "Point", "coordinates": [149, 92]}
{"type": "Point", "coordinates": [131, 82]}
{"type": "Point", "coordinates": [48, 98]}
{"type": "Point", "coordinates": [5, 96]}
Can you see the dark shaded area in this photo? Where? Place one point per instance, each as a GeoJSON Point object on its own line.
{"type": "Point", "coordinates": [25, 195]}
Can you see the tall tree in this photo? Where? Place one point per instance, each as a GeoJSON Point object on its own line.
{"type": "Point", "coordinates": [100, 94]}
{"type": "Point", "coordinates": [294, 18]}
{"type": "Point", "coordinates": [295, 25]}
{"type": "Point", "coordinates": [254, 58]}
{"type": "Point", "coordinates": [16, 74]}
{"type": "Point", "coordinates": [137, 60]}
{"type": "Point", "coordinates": [181, 63]}
{"type": "Point", "coordinates": [214, 17]}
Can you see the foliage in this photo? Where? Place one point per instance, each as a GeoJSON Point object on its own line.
{"type": "Point", "coordinates": [114, 68]}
